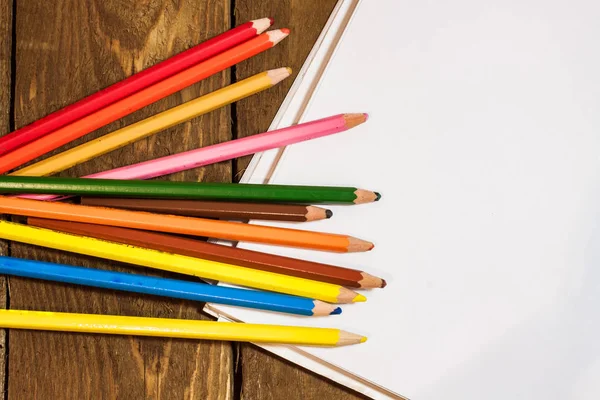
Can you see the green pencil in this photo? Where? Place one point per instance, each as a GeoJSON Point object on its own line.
{"type": "Point", "coordinates": [183, 190]}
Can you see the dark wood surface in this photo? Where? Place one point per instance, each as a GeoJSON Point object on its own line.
{"type": "Point", "coordinates": [67, 49]}
{"type": "Point", "coordinates": [5, 111]}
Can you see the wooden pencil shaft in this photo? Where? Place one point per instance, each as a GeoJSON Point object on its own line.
{"type": "Point", "coordinates": [206, 209]}
{"type": "Point", "coordinates": [184, 225]}
{"type": "Point", "coordinates": [162, 327]}
{"type": "Point", "coordinates": [132, 84]}
{"type": "Point", "coordinates": [194, 291]}
{"type": "Point", "coordinates": [140, 99]}
{"type": "Point", "coordinates": [228, 150]}
{"type": "Point", "coordinates": [154, 124]}
{"type": "Point", "coordinates": [177, 263]}
{"type": "Point", "coordinates": [177, 190]}
{"type": "Point", "coordinates": [209, 251]}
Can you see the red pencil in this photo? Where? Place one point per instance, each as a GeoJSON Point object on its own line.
{"type": "Point", "coordinates": [141, 99]}
{"type": "Point", "coordinates": [134, 83]}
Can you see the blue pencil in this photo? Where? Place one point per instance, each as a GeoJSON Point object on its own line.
{"type": "Point", "coordinates": [165, 287]}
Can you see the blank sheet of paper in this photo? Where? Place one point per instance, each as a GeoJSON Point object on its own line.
{"type": "Point", "coordinates": [484, 141]}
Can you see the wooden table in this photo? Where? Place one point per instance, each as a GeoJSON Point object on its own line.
{"type": "Point", "coordinates": [55, 52]}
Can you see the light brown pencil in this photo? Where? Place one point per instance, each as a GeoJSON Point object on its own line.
{"type": "Point", "coordinates": [214, 252]}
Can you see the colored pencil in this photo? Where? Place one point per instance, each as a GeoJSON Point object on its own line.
{"type": "Point", "coordinates": [178, 263]}
{"type": "Point", "coordinates": [184, 225]}
{"type": "Point", "coordinates": [228, 150]}
{"type": "Point", "coordinates": [216, 209]}
{"type": "Point", "coordinates": [140, 99]}
{"type": "Point", "coordinates": [214, 252]}
{"type": "Point", "coordinates": [165, 287]}
{"type": "Point", "coordinates": [176, 328]}
{"type": "Point", "coordinates": [133, 84]}
{"type": "Point", "coordinates": [186, 190]}
{"type": "Point", "coordinates": [156, 123]}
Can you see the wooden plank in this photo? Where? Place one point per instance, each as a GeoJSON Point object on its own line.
{"type": "Point", "coordinates": [6, 34]}
{"type": "Point", "coordinates": [67, 49]}
{"type": "Point", "coordinates": [267, 377]}
{"type": "Point", "coordinates": [264, 376]}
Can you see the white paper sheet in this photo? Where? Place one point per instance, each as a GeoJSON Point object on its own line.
{"type": "Point", "coordinates": [483, 140]}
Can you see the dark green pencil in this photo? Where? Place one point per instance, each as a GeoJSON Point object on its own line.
{"type": "Point", "coordinates": [183, 190]}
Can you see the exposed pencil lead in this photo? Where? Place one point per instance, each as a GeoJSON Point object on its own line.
{"type": "Point", "coordinates": [353, 120]}
{"type": "Point", "coordinates": [359, 299]}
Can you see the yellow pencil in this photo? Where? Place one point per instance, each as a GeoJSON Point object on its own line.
{"type": "Point", "coordinates": [178, 263]}
{"type": "Point", "coordinates": [156, 123]}
{"type": "Point", "coordinates": [176, 328]}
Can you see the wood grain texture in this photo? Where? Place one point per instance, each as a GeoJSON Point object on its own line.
{"type": "Point", "coordinates": [264, 376]}
{"type": "Point", "coordinates": [67, 49]}
{"type": "Point", "coordinates": [267, 377]}
{"type": "Point", "coordinates": [6, 35]}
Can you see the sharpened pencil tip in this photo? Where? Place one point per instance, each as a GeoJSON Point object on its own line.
{"type": "Point", "coordinates": [365, 196]}
{"type": "Point", "coordinates": [358, 245]}
{"type": "Point", "coordinates": [366, 116]}
{"type": "Point", "coordinates": [378, 196]}
{"type": "Point", "coordinates": [383, 283]}
{"type": "Point", "coordinates": [278, 74]}
{"type": "Point", "coordinates": [359, 299]}
{"type": "Point", "coordinates": [347, 339]}
{"type": "Point", "coordinates": [262, 24]}
{"type": "Point", "coordinates": [355, 119]}
{"type": "Point", "coordinates": [277, 35]}
{"type": "Point", "coordinates": [322, 309]}
{"type": "Point", "coordinates": [271, 20]}
{"type": "Point", "coordinates": [314, 213]}
{"type": "Point", "coordinates": [328, 214]}
{"type": "Point", "coordinates": [370, 282]}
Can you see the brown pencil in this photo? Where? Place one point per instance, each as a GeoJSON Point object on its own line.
{"type": "Point", "coordinates": [214, 252]}
{"type": "Point", "coordinates": [227, 230]}
{"type": "Point", "coordinates": [215, 209]}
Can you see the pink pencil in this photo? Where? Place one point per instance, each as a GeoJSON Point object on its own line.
{"type": "Point", "coordinates": [228, 150]}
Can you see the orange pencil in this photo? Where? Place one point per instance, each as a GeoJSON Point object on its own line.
{"type": "Point", "coordinates": [184, 225]}
{"type": "Point", "coordinates": [140, 99]}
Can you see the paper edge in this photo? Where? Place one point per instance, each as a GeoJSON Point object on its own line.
{"type": "Point", "coordinates": [263, 165]}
